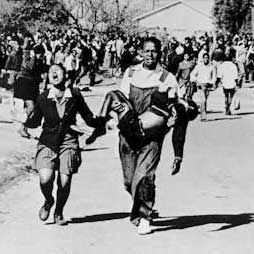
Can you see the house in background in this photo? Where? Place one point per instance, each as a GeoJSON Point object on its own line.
{"type": "Point", "coordinates": [180, 18]}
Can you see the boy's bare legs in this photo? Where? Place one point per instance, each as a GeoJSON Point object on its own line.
{"type": "Point", "coordinates": [115, 101]}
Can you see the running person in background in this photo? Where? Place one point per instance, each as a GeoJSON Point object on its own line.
{"type": "Point", "coordinates": [240, 60]}
{"type": "Point", "coordinates": [58, 147]}
{"type": "Point", "coordinates": [228, 77]}
{"type": "Point", "coordinates": [27, 88]}
{"type": "Point", "coordinates": [13, 64]}
{"type": "Point", "coordinates": [204, 74]}
{"type": "Point", "coordinates": [183, 77]}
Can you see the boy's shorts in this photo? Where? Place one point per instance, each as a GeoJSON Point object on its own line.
{"type": "Point", "coordinates": [130, 127]}
{"type": "Point", "coordinates": [66, 161]}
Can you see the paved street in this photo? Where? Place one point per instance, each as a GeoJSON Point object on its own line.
{"type": "Point", "coordinates": [205, 209]}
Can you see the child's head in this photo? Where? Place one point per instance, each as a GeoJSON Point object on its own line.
{"type": "Point", "coordinates": [57, 75]}
{"type": "Point", "coordinates": [186, 57]}
{"type": "Point", "coordinates": [206, 58]}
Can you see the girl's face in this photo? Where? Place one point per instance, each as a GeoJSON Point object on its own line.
{"type": "Point", "coordinates": [56, 75]}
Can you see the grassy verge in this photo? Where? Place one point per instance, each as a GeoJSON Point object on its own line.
{"type": "Point", "coordinates": [17, 164]}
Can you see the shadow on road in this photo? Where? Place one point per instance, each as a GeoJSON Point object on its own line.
{"type": "Point", "coordinates": [6, 121]}
{"type": "Point", "coordinates": [108, 84]}
{"type": "Point", "coordinates": [244, 113]}
{"type": "Point", "coordinates": [99, 217]}
{"type": "Point", "coordinates": [222, 118]}
{"type": "Point", "coordinates": [199, 220]}
{"type": "Point", "coordinates": [214, 111]}
{"type": "Point", "coordinates": [93, 149]}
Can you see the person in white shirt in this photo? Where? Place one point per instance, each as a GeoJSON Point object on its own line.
{"type": "Point", "coordinates": [60, 55]}
{"type": "Point", "coordinates": [204, 75]}
{"type": "Point", "coordinates": [111, 45]}
{"type": "Point", "coordinates": [228, 77]}
{"type": "Point", "coordinates": [71, 65]}
{"type": "Point", "coordinates": [148, 93]}
{"type": "Point", "coordinates": [119, 47]}
{"type": "Point", "coordinates": [240, 59]}
{"type": "Point", "coordinates": [201, 53]}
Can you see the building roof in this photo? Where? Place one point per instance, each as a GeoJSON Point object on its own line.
{"type": "Point", "coordinates": [196, 5]}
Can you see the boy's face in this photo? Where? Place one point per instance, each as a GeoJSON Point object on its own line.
{"type": "Point", "coordinates": [151, 55]}
{"type": "Point", "coordinates": [205, 59]}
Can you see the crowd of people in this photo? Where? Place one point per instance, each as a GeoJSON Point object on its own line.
{"type": "Point", "coordinates": [159, 77]}
{"type": "Point", "coordinates": [84, 54]}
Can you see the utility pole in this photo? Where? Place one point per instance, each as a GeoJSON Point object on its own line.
{"type": "Point", "coordinates": [82, 9]}
{"type": "Point", "coordinates": [153, 4]}
{"type": "Point", "coordinates": [252, 20]}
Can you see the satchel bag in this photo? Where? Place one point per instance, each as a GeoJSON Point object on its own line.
{"type": "Point", "coordinates": [236, 104]}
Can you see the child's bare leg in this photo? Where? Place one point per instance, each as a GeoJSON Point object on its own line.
{"type": "Point", "coordinates": [29, 106]}
{"type": "Point", "coordinates": [116, 101]}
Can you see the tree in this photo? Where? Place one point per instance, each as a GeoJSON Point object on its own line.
{"type": "Point", "coordinates": [232, 15]}
{"type": "Point", "coordinates": [30, 15]}
{"type": "Point", "coordinates": [101, 14]}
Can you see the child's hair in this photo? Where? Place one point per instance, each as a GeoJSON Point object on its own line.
{"type": "Point", "coordinates": [61, 66]}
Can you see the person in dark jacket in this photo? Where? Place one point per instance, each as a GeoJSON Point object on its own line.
{"type": "Point", "coordinates": [128, 58]}
{"type": "Point", "coordinates": [175, 57]}
{"type": "Point", "coordinates": [27, 87]}
{"type": "Point", "coordinates": [58, 147]}
{"type": "Point", "coordinates": [13, 64]}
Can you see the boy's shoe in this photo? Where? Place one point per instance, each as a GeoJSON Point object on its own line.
{"type": "Point", "coordinates": [45, 209]}
{"type": "Point", "coordinates": [175, 168]}
{"type": "Point", "coordinates": [78, 129]}
{"type": "Point", "coordinates": [144, 227]}
{"type": "Point", "coordinates": [99, 131]}
{"type": "Point", "coordinates": [59, 220]}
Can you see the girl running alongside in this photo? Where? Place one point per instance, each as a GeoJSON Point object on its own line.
{"type": "Point", "coordinates": [58, 147]}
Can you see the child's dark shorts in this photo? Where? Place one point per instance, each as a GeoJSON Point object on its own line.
{"type": "Point", "coordinates": [131, 129]}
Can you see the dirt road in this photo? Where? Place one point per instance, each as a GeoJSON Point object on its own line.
{"type": "Point", "coordinates": [205, 209]}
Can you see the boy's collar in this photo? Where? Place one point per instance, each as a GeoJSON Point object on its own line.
{"type": "Point", "coordinates": [140, 66]}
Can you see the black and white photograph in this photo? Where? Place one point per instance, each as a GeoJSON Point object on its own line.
{"type": "Point", "coordinates": [126, 126]}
